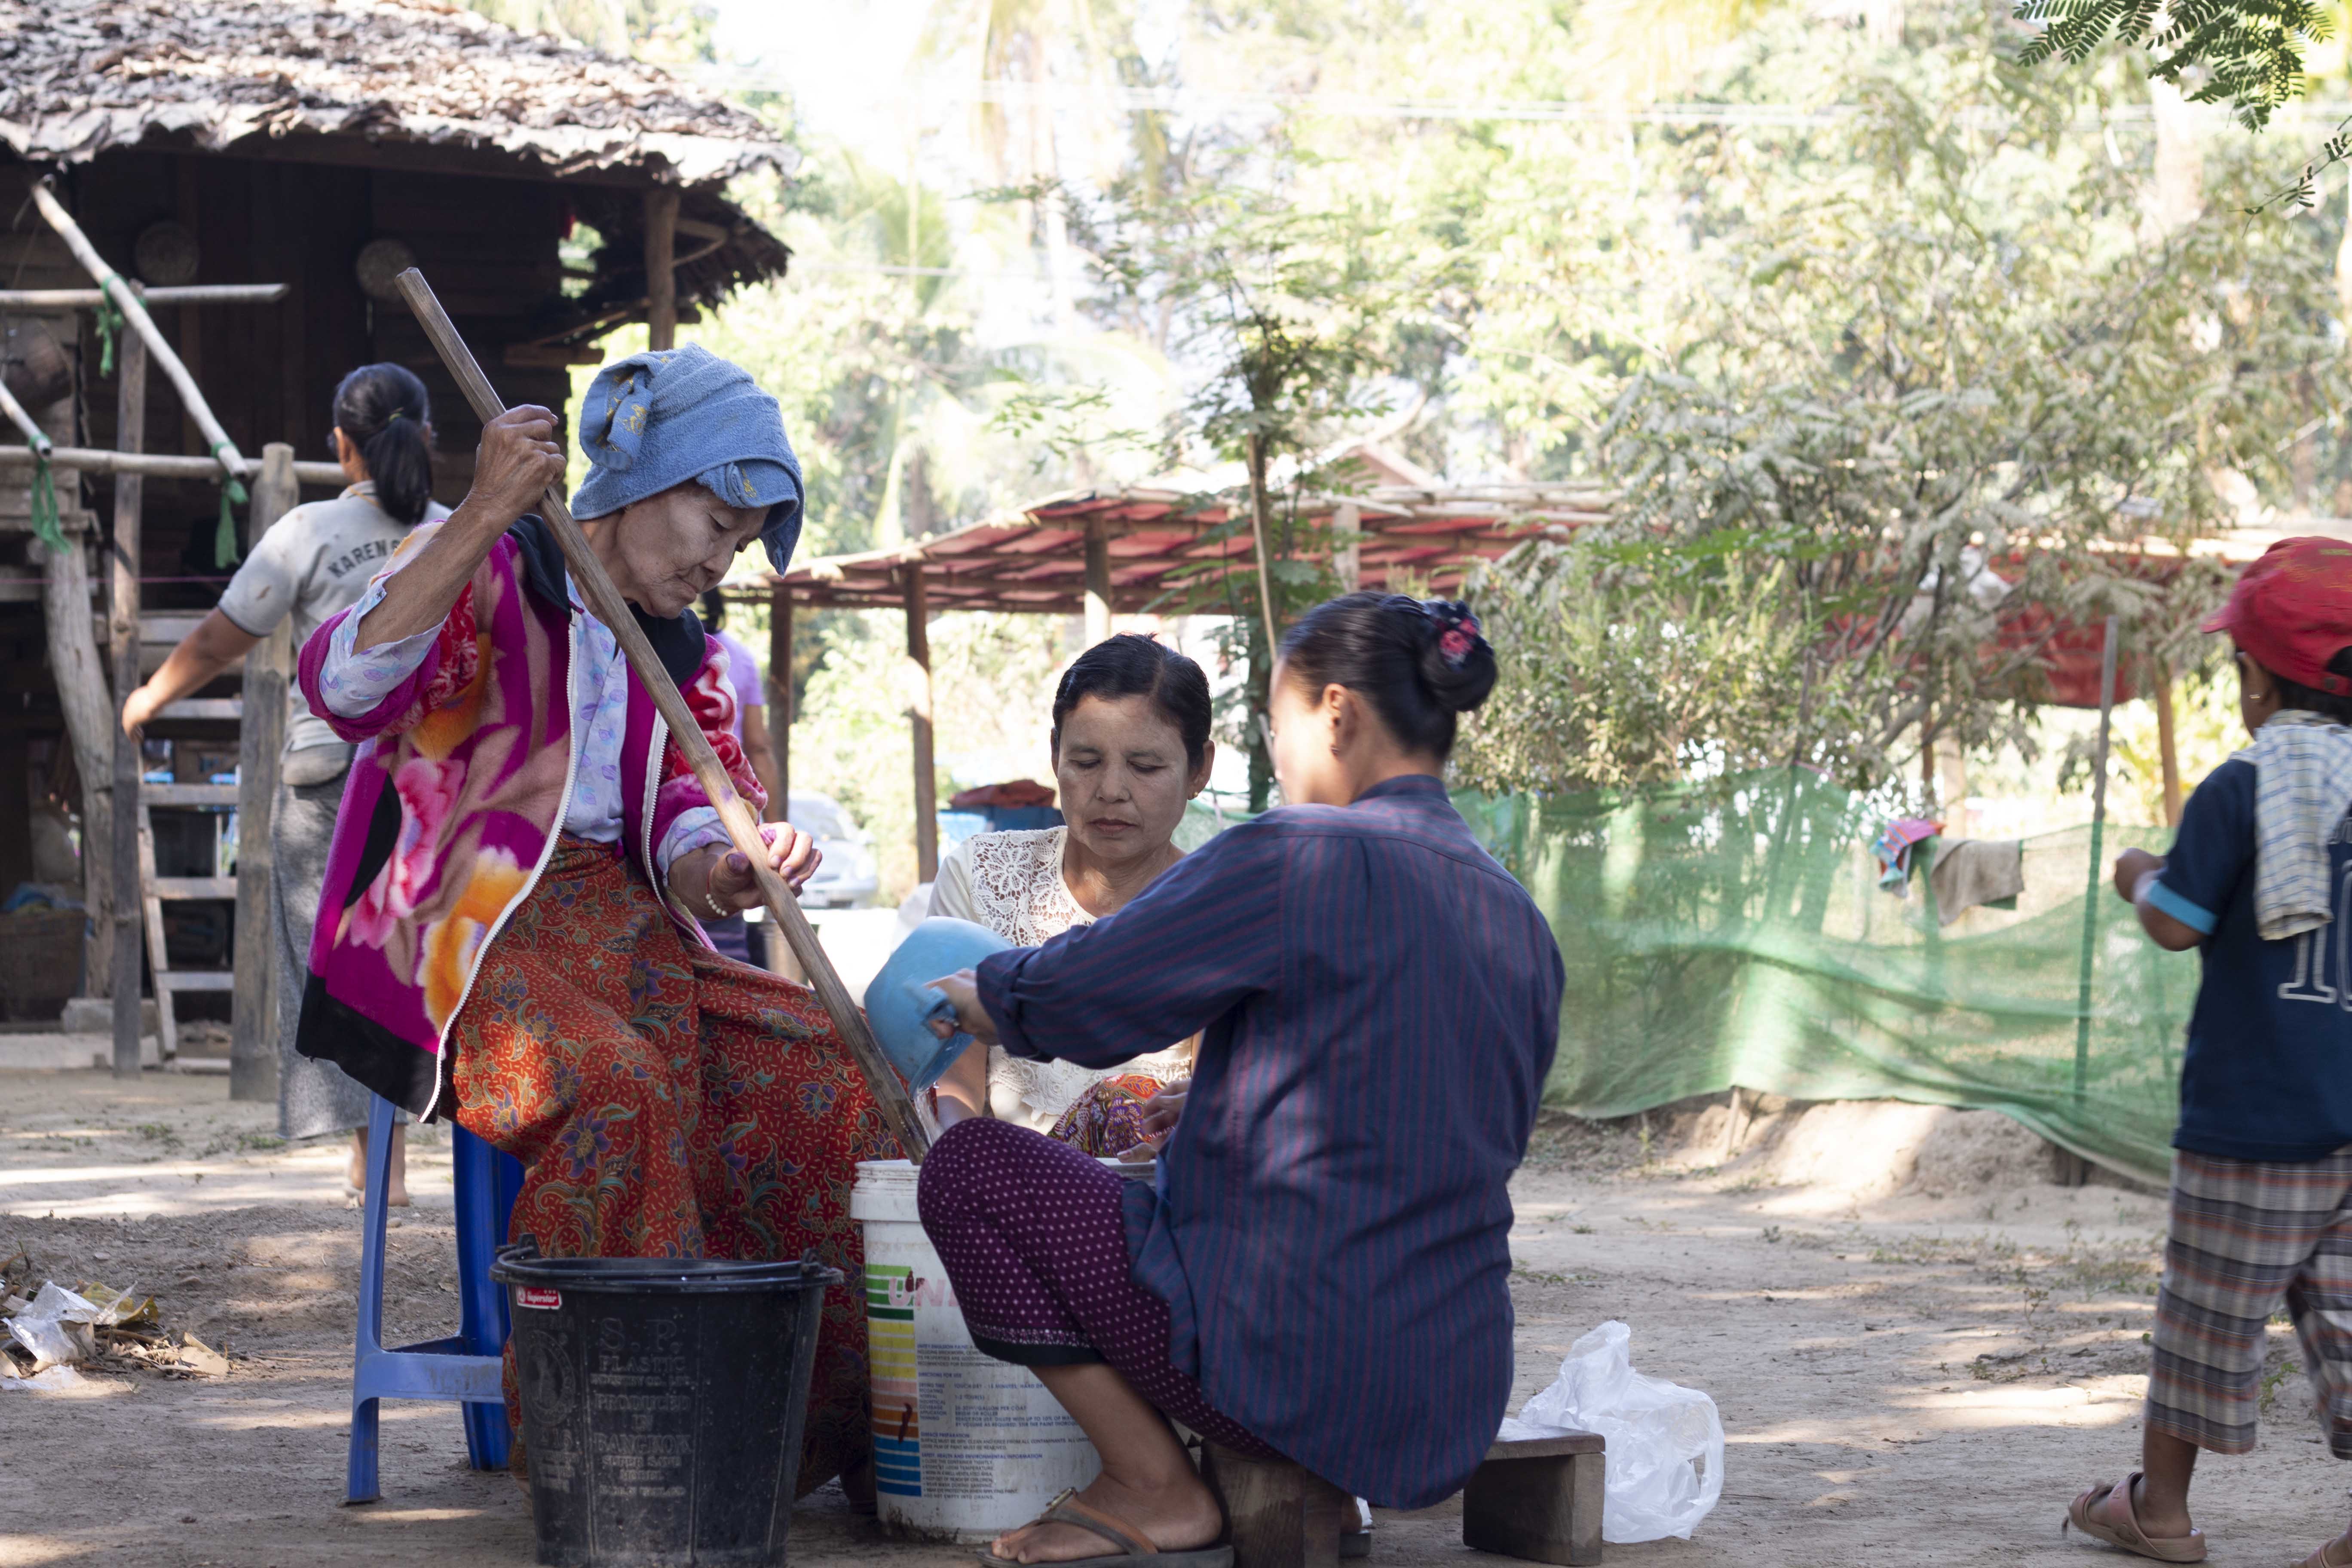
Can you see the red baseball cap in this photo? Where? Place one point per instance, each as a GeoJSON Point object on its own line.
{"type": "Point", "coordinates": [2291, 611]}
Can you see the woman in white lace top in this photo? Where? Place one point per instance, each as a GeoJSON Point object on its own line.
{"type": "Point", "coordinates": [1131, 746]}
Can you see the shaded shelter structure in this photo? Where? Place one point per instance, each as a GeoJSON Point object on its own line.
{"type": "Point", "coordinates": [315, 147]}
{"type": "Point", "coordinates": [1144, 550]}
{"type": "Point", "coordinates": [1156, 548]}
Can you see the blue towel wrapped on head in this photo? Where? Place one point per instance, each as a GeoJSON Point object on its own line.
{"type": "Point", "coordinates": [662, 417]}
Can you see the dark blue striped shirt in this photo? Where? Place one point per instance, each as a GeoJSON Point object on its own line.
{"type": "Point", "coordinates": [1381, 1002]}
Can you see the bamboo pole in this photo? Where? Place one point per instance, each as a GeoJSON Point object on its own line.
{"type": "Point", "coordinates": [2108, 642]}
{"type": "Point", "coordinates": [40, 446]}
{"type": "Point", "coordinates": [126, 299]}
{"type": "Point", "coordinates": [890, 1098]}
{"type": "Point", "coordinates": [189, 294]}
{"type": "Point", "coordinates": [927, 783]}
{"type": "Point", "coordinates": [158, 465]}
{"type": "Point", "coordinates": [122, 629]}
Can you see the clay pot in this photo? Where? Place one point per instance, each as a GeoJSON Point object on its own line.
{"type": "Point", "coordinates": [35, 366]}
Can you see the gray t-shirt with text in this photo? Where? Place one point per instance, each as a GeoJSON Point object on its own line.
{"type": "Point", "coordinates": [315, 560]}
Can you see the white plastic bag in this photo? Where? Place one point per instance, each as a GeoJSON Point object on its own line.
{"type": "Point", "coordinates": [55, 1380]}
{"type": "Point", "coordinates": [55, 1326]}
{"type": "Point", "coordinates": [1666, 1441]}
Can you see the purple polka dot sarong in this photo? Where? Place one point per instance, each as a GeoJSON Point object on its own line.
{"type": "Point", "coordinates": [1033, 1238]}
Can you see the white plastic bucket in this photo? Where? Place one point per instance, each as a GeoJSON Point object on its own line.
{"type": "Point", "coordinates": [965, 1447]}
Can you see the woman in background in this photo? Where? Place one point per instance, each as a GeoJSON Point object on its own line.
{"type": "Point", "coordinates": [315, 562]}
{"type": "Point", "coordinates": [1130, 746]}
{"type": "Point", "coordinates": [733, 936]}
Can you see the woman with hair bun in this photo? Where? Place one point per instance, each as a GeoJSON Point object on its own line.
{"type": "Point", "coordinates": [314, 562]}
{"type": "Point", "coordinates": [1319, 1268]}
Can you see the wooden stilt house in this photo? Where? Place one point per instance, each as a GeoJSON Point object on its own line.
{"type": "Point", "coordinates": [548, 193]}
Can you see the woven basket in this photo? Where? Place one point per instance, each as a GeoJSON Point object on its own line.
{"type": "Point", "coordinates": [43, 967]}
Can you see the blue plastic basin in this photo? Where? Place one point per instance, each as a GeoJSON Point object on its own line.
{"type": "Point", "coordinates": [901, 1004]}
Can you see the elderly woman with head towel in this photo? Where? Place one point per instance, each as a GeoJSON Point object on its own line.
{"type": "Point", "coordinates": [509, 931]}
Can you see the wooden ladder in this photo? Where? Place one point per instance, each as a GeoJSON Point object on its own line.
{"type": "Point", "coordinates": [156, 891]}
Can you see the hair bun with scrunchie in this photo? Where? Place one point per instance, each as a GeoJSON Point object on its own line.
{"type": "Point", "coordinates": [1459, 665]}
{"type": "Point", "coordinates": [1421, 662]}
{"type": "Point", "coordinates": [1457, 629]}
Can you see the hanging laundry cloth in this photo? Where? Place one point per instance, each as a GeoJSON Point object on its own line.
{"type": "Point", "coordinates": [1893, 848]}
{"type": "Point", "coordinates": [1972, 872]}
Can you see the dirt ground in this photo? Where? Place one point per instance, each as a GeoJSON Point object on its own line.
{"type": "Point", "coordinates": [1920, 1347]}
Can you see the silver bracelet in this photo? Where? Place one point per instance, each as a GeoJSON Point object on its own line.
{"type": "Point", "coordinates": [713, 902]}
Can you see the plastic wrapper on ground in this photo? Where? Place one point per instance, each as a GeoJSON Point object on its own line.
{"type": "Point", "coordinates": [1666, 1441]}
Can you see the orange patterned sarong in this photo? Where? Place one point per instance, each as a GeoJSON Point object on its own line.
{"type": "Point", "coordinates": [667, 1102]}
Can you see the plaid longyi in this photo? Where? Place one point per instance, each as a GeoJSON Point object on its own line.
{"type": "Point", "coordinates": [2246, 1238]}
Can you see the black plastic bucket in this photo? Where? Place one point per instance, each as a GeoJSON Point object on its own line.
{"type": "Point", "coordinates": [663, 1404]}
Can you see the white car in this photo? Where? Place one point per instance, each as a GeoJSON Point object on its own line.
{"type": "Point", "coordinates": [847, 877]}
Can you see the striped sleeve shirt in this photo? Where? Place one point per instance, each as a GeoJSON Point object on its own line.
{"type": "Point", "coordinates": [1379, 1003]}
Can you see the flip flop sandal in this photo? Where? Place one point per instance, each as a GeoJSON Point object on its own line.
{"type": "Point", "coordinates": [2319, 1558]}
{"type": "Point", "coordinates": [2128, 1535]}
{"type": "Point", "coordinates": [1136, 1548]}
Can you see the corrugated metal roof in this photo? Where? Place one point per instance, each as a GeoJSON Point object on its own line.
{"type": "Point", "coordinates": [1162, 544]}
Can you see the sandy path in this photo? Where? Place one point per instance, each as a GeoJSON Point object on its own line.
{"type": "Point", "coordinates": [1905, 1380]}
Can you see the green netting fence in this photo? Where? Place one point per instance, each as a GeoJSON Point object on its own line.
{"type": "Point", "coordinates": [1738, 936]}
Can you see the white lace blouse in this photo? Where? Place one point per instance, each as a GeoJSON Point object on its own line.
{"type": "Point", "coordinates": [1012, 883]}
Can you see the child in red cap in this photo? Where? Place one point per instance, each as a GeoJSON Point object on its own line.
{"type": "Point", "coordinates": [2260, 880]}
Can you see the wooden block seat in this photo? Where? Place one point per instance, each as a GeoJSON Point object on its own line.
{"type": "Point", "coordinates": [1537, 1497]}
{"type": "Point", "coordinates": [1278, 1514]}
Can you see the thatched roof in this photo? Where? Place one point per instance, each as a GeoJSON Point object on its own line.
{"type": "Point", "coordinates": [78, 77]}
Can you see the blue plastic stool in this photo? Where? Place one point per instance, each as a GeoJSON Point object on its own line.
{"type": "Point", "coordinates": [465, 1366]}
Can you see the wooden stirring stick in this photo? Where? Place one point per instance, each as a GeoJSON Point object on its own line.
{"type": "Point", "coordinates": [889, 1094]}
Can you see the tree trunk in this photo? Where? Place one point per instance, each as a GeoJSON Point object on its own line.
{"type": "Point", "coordinates": [122, 635]}
{"type": "Point", "coordinates": [661, 268]}
{"type": "Point", "coordinates": [1097, 581]}
{"type": "Point", "coordinates": [89, 709]}
{"type": "Point", "coordinates": [1261, 701]}
{"type": "Point", "coordinates": [918, 506]}
{"type": "Point", "coordinates": [2168, 750]}
{"type": "Point", "coordinates": [1347, 546]}
{"type": "Point", "coordinates": [2180, 193]}
{"type": "Point", "coordinates": [261, 738]}
{"type": "Point", "coordinates": [2344, 254]}
{"type": "Point", "coordinates": [1261, 679]}
{"type": "Point", "coordinates": [1261, 525]}
{"type": "Point", "coordinates": [919, 655]}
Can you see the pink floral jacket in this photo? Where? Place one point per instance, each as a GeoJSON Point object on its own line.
{"type": "Point", "coordinates": [455, 801]}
